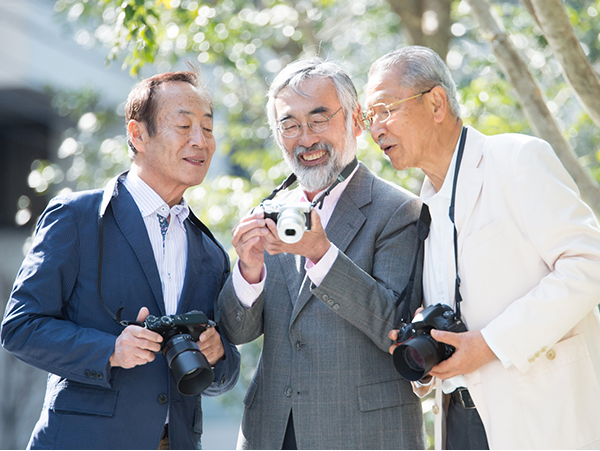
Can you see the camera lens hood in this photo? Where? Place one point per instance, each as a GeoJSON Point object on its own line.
{"type": "Point", "coordinates": [416, 357]}
{"type": "Point", "coordinates": [188, 365]}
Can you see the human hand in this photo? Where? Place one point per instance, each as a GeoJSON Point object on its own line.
{"type": "Point", "coordinates": [313, 245]}
{"type": "Point", "coordinates": [471, 353]}
{"type": "Point", "coordinates": [247, 241]}
{"type": "Point", "coordinates": [211, 345]}
{"type": "Point", "coordinates": [136, 345]}
{"type": "Point", "coordinates": [393, 334]}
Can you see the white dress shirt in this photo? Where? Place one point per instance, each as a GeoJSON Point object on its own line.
{"type": "Point", "coordinates": [170, 253]}
{"type": "Point", "coordinates": [249, 293]}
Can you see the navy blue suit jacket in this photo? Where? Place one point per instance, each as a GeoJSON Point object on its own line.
{"type": "Point", "coordinates": [54, 321]}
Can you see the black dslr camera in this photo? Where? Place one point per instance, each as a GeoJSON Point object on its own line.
{"type": "Point", "coordinates": [292, 219]}
{"type": "Point", "coordinates": [188, 365]}
{"type": "Point", "coordinates": [418, 352]}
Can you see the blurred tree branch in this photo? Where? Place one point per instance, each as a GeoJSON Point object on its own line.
{"type": "Point", "coordinates": [426, 22]}
{"type": "Point", "coordinates": [577, 70]}
{"type": "Point", "coordinates": [532, 100]}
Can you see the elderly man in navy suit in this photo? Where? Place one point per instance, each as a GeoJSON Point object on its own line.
{"type": "Point", "coordinates": [134, 248]}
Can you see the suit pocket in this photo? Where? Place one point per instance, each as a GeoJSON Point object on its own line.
{"type": "Point", "coordinates": [250, 394]}
{"type": "Point", "coordinates": [561, 393]}
{"type": "Point", "coordinates": [380, 395]}
{"type": "Point", "coordinates": [482, 235]}
{"type": "Point", "coordinates": [73, 397]}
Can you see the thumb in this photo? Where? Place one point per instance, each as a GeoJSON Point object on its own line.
{"type": "Point", "coordinates": [143, 314]}
{"type": "Point", "coordinates": [444, 337]}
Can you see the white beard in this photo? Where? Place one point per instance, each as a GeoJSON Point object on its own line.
{"type": "Point", "coordinates": [317, 178]}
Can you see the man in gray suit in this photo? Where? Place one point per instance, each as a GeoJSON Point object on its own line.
{"type": "Point", "coordinates": [325, 303]}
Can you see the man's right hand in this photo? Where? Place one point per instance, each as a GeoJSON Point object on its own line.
{"type": "Point", "coordinates": [136, 345]}
{"type": "Point", "coordinates": [247, 241]}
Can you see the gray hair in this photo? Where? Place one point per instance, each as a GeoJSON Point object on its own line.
{"type": "Point", "coordinates": [419, 68]}
{"type": "Point", "coordinates": [296, 73]}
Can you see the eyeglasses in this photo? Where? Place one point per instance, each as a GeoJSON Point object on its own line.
{"type": "Point", "coordinates": [382, 112]}
{"type": "Point", "coordinates": [318, 123]}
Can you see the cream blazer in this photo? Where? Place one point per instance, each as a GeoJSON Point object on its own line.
{"type": "Point", "coordinates": [529, 263]}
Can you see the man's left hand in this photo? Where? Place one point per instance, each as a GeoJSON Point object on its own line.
{"type": "Point", "coordinates": [211, 346]}
{"type": "Point", "coordinates": [471, 353]}
{"type": "Point", "coordinates": [313, 245]}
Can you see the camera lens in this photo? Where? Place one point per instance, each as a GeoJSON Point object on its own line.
{"type": "Point", "coordinates": [290, 225]}
{"type": "Point", "coordinates": [188, 365]}
{"type": "Point", "coordinates": [414, 358]}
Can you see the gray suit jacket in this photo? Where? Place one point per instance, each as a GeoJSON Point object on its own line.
{"type": "Point", "coordinates": [325, 352]}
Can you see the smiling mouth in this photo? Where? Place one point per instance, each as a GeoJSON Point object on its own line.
{"type": "Point", "coordinates": [313, 156]}
{"type": "Point", "coordinates": [195, 160]}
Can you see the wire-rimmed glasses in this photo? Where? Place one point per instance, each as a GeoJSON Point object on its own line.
{"type": "Point", "coordinates": [382, 112]}
{"type": "Point", "coordinates": [318, 123]}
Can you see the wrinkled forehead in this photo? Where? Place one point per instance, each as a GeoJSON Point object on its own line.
{"type": "Point", "coordinates": [183, 98]}
{"type": "Point", "coordinates": [310, 96]}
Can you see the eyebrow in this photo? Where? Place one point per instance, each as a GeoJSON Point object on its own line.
{"type": "Point", "coordinates": [189, 113]}
{"type": "Point", "coordinates": [317, 110]}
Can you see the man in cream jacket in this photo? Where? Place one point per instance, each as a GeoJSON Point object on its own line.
{"type": "Point", "coordinates": [526, 373]}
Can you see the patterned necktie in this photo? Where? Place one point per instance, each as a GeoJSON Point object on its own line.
{"type": "Point", "coordinates": [164, 226]}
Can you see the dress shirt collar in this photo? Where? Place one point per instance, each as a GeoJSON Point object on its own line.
{"type": "Point", "coordinates": [149, 202]}
{"type": "Point", "coordinates": [428, 190]}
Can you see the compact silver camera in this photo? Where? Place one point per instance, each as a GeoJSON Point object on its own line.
{"type": "Point", "coordinates": [292, 219]}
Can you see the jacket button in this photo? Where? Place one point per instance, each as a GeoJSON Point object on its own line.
{"type": "Point", "coordinates": [551, 354]}
{"type": "Point", "coordinates": [99, 376]}
{"type": "Point", "coordinates": [298, 346]}
{"type": "Point", "coordinates": [531, 359]}
{"type": "Point", "coordinates": [435, 410]}
{"type": "Point", "coordinates": [86, 373]}
{"type": "Point", "coordinates": [162, 398]}
{"type": "Point", "coordinates": [325, 297]}
{"type": "Point", "coordinates": [336, 307]}
{"type": "Point", "coordinates": [238, 316]}
{"type": "Point", "coordinates": [288, 391]}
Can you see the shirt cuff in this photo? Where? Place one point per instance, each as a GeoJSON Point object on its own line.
{"type": "Point", "coordinates": [247, 293]}
{"type": "Point", "coordinates": [495, 349]}
{"type": "Point", "coordinates": [318, 271]}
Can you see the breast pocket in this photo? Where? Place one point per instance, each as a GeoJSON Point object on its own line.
{"type": "Point", "coordinates": [482, 235]}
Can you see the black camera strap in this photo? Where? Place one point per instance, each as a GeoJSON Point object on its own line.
{"type": "Point", "coordinates": [459, 155]}
{"type": "Point", "coordinates": [422, 233]}
{"type": "Point", "coordinates": [318, 201]}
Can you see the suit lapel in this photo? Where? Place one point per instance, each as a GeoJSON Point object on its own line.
{"type": "Point", "coordinates": [470, 181]}
{"type": "Point", "coordinates": [344, 224]}
{"type": "Point", "coordinates": [131, 224]}
{"type": "Point", "coordinates": [193, 272]}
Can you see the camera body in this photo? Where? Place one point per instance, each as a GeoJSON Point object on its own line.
{"type": "Point", "coordinates": [189, 367]}
{"type": "Point", "coordinates": [292, 219]}
{"type": "Point", "coordinates": [417, 352]}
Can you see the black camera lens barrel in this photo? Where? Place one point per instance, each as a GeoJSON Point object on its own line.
{"type": "Point", "coordinates": [416, 357]}
{"type": "Point", "coordinates": [189, 367]}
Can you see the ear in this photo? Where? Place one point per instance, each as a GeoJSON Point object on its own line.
{"type": "Point", "coordinates": [357, 123]}
{"type": "Point", "coordinates": [438, 104]}
{"type": "Point", "coordinates": [138, 134]}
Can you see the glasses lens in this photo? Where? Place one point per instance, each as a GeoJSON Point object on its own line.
{"type": "Point", "coordinates": [289, 128]}
{"type": "Point", "coordinates": [318, 123]}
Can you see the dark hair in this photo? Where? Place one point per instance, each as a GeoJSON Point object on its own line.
{"type": "Point", "coordinates": [142, 105]}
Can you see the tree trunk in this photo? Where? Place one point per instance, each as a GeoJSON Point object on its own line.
{"type": "Point", "coordinates": [420, 27]}
{"type": "Point", "coordinates": [552, 19]}
{"type": "Point", "coordinates": [532, 100]}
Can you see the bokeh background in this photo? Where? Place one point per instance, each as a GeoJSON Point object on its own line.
{"type": "Point", "coordinates": [67, 66]}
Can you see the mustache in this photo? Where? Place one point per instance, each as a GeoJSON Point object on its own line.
{"type": "Point", "coordinates": [315, 147]}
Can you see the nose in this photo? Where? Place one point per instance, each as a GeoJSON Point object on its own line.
{"type": "Point", "coordinates": [306, 137]}
{"type": "Point", "coordinates": [377, 129]}
{"type": "Point", "coordinates": [197, 137]}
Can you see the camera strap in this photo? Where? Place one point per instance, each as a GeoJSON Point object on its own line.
{"type": "Point", "coordinates": [459, 155]}
{"type": "Point", "coordinates": [319, 201]}
{"type": "Point", "coordinates": [422, 233]}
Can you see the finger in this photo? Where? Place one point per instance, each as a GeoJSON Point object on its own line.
{"type": "Point", "coordinates": [393, 348]}
{"type": "Point", "coordinates": [143, 314]}
{"type": "Point", "coordinates": [393, 334]}
{"type": "Point", "coordinates": [445, 337]}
